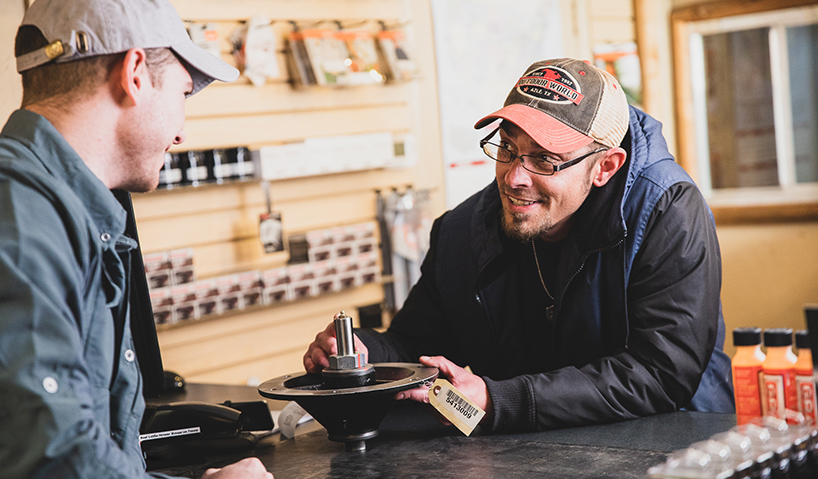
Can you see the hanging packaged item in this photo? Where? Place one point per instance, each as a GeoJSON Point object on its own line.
{"type": "Point", "coordinates": [382, 215]}
{"type": "Point", "coordinates": [243, 166]}
{"type": "Point", "coordinates": [328, 56]}
{"type": "Point", "coordinates": [298, 61]}
{"type": "Point", "coordinates": [403, 244]}
{"type": "Point", "coordinates": [219, 167]}
{"type": "Point", "coordinates": [206, 36]}
{"type": "Point", "coordinates": [171, 174]}
{"type": "Point", "coordinates": [254, 48]}
{"type": "Point", "coordinates": [364, 64]}
{"type": "Point", "coordinates": [270, 229]}
{"type": "Point", "coordinates": [395, 51]}
{"type": "Point", "coordinates": [407, 218]}
{"type": "Point", "coordinates": [194, 167]}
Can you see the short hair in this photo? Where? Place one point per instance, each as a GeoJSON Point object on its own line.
{"type": "Point", "coordinates": [64, 83]}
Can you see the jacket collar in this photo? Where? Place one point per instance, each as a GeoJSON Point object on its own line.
{"type": "Point", "coordinates": [53, 153]}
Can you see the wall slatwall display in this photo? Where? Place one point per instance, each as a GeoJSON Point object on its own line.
{"type": "Point", "coordinates": [220, 222]}
{"type": "Point", "coordinates": [611, 21]}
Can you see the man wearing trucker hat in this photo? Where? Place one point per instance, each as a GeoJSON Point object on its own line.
{"type": "Point", "coordinates": [104, 85]}
{"type": "Point", "coordinates": [583, 285]}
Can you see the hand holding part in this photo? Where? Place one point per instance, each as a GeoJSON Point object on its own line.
{"type": "Point", "coordinates": [471, 385]}
{"type": "Point", "coordinates": [317, 356]}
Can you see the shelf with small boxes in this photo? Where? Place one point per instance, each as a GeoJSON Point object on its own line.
{"type": "Point", "coordinates": [330, 260]}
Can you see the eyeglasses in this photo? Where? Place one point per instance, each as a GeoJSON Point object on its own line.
{"type": "Point", "coordinates": [539, 165]}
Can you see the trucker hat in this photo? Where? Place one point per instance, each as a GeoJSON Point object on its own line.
{"type": "Point", "coordinates": [77, 29]}
{"type": "Point", "coordinates": [565, 104]}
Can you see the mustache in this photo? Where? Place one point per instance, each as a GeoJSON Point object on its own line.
{"type": "Point", "coordinates": [522, 193]}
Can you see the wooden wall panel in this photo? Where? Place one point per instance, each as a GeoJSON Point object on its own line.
{"type": "Point", "coordinates": [221, 225]}
{"type": "Point", "coordinates": [613, 30]}
{"type": "Point", "coordinates": [312, 10]}
{"type": "Point", "coordinates": [220, 222]}
{"type": "Point", "coordinates": [246, 99]}
{"type": "Point", "coordinates": [611, 21]}
{"type": "Point", "coordinates": [161, 204]}
{"type": "Point", "coordinates": [266, 129]}
{"type": "Point", "coordinates": [587, 23]}
{"type": "Point", "coordinates": [611, 8]}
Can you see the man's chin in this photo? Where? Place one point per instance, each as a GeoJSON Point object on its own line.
{"type": "Point", "coordinates": [141, 185]}
{"type": "Point", "coordinates": [521, 229]}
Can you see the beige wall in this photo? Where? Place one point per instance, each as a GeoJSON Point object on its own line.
{"type": "Point", "coordinates": [11, 12]}
{"type": "Point", "coordinates": [770, 271]}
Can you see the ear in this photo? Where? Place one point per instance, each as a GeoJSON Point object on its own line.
{"type": "Point", "coordinates": [609, 165]}
{"type": "Point", "coordinates": [133, 76]}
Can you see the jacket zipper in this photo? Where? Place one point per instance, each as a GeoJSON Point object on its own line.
{"type": "Point", "coordinates": [477, 294]}
{"type": "Point", "coordinates": [574, 275]}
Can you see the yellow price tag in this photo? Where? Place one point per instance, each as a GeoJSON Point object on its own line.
{"type": "Point", "coordinates": [454, 406]}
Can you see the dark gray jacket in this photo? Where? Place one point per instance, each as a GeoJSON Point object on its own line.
{"type": "Point", "coordinates": [637, 326]}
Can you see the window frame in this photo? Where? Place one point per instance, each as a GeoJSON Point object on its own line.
{"type": "Point", "coordinates": [787, 202]}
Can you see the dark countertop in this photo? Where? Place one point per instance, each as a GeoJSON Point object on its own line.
{"type": "Point", "coordinates": [412, 443]}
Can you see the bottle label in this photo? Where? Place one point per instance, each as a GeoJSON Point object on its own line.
{"type": "Point", "coordinates": [173, 176]}
{"type": "Point", "coordinates": [748, 396]}
{"type": "Point", "coordinates": [779, 392]}
{"type": "Point", "coordinates": [225, 170]}
{"type": "Point", "coordinates": [198, 173]}
{"type": "Point", "coordinates": [806, 399]}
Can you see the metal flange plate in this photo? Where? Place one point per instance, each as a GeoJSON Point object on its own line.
{"type": "Point", "coordinates": [389, 377]}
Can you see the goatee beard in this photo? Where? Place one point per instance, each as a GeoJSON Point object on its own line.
{"type": "Point", "coordinates": [515, 228]}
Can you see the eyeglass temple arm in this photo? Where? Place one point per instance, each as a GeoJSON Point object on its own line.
{"type": "Point", "coordinates": [486, 139]}
{"type": "Point", "coordinates": [568, 163]}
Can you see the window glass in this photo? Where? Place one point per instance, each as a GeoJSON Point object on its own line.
{"type": "Point", "coordinates": [739, 99]}
{"type": "Point", "coordinates": [802, 46]}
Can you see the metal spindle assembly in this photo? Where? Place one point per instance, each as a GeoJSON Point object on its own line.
{"type": "Point", "coordinates": [343, 333]}
{"type": "Point", "coordinates": [347, 368]}
{"type": "Point", "coordinates": [350, 397]}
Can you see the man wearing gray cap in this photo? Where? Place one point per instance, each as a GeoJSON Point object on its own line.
{"type": "Point", "coordinates": [104, 85]}
{"type": "Point", "coordinates": [582, 286]}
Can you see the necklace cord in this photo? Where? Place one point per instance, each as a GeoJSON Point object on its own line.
{"type": "Point", "coordinates": [539, 271]}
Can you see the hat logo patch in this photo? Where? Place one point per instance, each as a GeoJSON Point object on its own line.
{"type": "Point", "coordinates": [551, 84]}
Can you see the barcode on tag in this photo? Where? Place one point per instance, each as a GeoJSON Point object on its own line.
{"type": "Point", "coordinates": [460, 404]}
{"type": "Point", "coordinates": [454, 406]}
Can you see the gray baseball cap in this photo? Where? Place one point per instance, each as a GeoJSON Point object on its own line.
{"type": "Point", "coordinates": [77, 29]}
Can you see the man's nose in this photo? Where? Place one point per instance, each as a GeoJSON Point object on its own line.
{"type": "Point", "coordinates": [516, 174]}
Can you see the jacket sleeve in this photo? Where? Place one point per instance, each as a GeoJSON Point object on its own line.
{"type": "Point", "coordinates": [47, 421]}
{"type": "Point", "coordinates": [673, 315]}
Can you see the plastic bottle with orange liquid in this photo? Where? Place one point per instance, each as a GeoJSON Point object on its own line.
{"type": "Point", "coordinates": [805, 378]}
{"type": "Point", "coordinates": [778, 391]}
{"type": "Point", "coordinates": [746, 373]}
